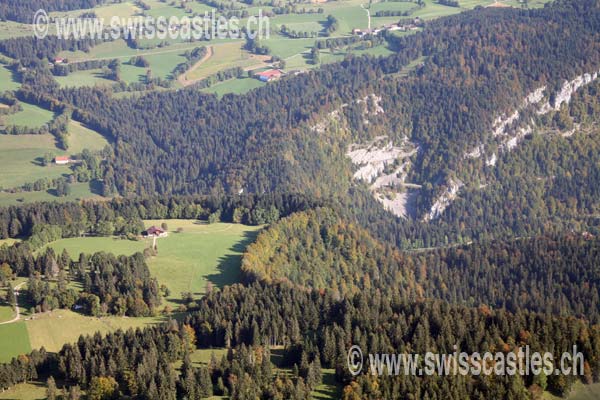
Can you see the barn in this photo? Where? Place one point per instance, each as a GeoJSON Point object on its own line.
{"type": "Point", "coordinates": [270, 75]}
{"type": "Point", "coordinates": [61, 160]}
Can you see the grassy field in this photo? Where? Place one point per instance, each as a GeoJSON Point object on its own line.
{"type": "Point", "coordinates": [15, 341]}
{"type": "Point", "coordinates": [10, 29]}
{"type": "Point", "coordinates": [81, 137]}
{"type": "Point", "coordinates": [78, 191]}
{"type": "Point", "coordinates": [25, 391]}
{"type": "Point", "coordinates": [6, 312]}
{"type": "Point", "coordinates": [52, 330]}
{"type": "Point", "coordinates": [225, 55]}
{"type": "Point", "coordinates": [237, 86]}
{"type": "Point", "coordinates": [132, 74]}
{"type": "Point", "coordinates": [7, 79]}
{"type": "Point", "coordinates": [90, 77]}
{"type": "Point", "coordinates": [31, 116]}
{"type": "Point", "coordinates": [19, 155]}
{"type": "Point", "coordinates": [124, 9]}
{"type": "Point", "coordinates": [186, 261]}
{"type": "Point", "coordinates": [579, 392]}
{"type": "Point", "coordinates": [300, 22]}
{"type": "Point", "coordinates": [162, 60]}
{"type": "Point", "coordinates": [329, 389]}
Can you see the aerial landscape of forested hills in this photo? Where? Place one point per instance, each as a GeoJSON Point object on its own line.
{"type": "Point", "coordinates": [175, 224]}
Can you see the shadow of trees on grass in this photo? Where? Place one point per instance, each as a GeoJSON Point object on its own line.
{"type": "Point", "coordinates": [229, 268]}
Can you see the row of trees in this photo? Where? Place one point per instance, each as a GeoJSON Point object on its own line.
{"type": "Point", "coordinates": [122, 216]}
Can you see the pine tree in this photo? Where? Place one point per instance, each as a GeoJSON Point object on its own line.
{"type": "Point", "coordinates": [51, 390]}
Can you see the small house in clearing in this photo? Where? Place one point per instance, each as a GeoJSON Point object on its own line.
{"type": "Point", "coordinates": [61, 160]}
{"type": "Point", "coordinates": [59, 60]}
{"type": "Point", "coordinates": [270, 75]}
{"type": "Point", "coordinates": [156, 232]}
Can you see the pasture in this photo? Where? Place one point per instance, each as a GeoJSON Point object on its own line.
{"type": "Point", "coordinates": [224, 56]}
{"type": "Point", "coordinates": [125, 9]}
{"type": "Point", "coordinates": [15, 341]}
{"type": "Point", "coordinates": [6, 312]}
{"type": "Point", "coordinates": [81, 137]}
{"type": "Point", "coordinates": [25, 391]}
{"type": "Point", "coordinates": [53, 329]}
{"type": "Point", "coordinates": [187, 261]}
{"type": "Point", "coordinates": [8, 80]}
{"type": "Point", "coordinates": [11, 29]}
{"type": "Point", "coordinates": [20, 156]}
{"type": "Point", "coordinates": [579, 392]}
{"type": "Point", "coordinates": [90, 77]}
{"type": "Point", "coordinates": [31, 116]}
{"type": "Point", "coordinates": [236, 86]}
{"type": "Point", "coordinates": [85, 190]}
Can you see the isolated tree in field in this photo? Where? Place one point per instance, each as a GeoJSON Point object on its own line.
{"type": "Point", "coordinates": [47, 159]}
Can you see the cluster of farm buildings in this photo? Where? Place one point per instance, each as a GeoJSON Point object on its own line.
{"type": "Point", "coordinates": [414, 25]}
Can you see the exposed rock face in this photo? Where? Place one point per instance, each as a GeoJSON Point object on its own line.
{"type": "Point", "coordinates": [501, 124]}
{"type": "Point", "coordinates": [375, 161]}
{"type": "Point", "coordinates": [490, 162]}
{"type": "Point", "coordinates": [444, 200]}
{"type": "Point", "coordinates": [374, 157]}
{"type": "Point", "coordinates": [566, 92]}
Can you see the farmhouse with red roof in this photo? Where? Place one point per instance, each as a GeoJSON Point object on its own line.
{"type": "Point", "coordinates": [61, 160]}
{"type": "Point", "coordinates": [270, 75]}
{"type": "Point", "coordinates": [156, 232]}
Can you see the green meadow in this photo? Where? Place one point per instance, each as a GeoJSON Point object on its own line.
{"type": "Point", "coordinates": [81, 137]}
{"type": "Point", "coordinates": [8, 81]}
{"type": "Point", "coordinates": [25, 391]}
{"type": "Point", "coordinates": [236, 86]}
{"type": "Point", "coordinates": [15, 341]}
{"type": "Point", "coordinates": [6, 312]}
{"type": "Point", "coordinates": [579, 392]}
{"type": "Point", "coordinates": [201, 253]}
{"type": "Point", "coordinates": [78, 192]}
{"type": "Point", "coordinates": [90, 77]}
{"type": "Point", "coordinates": [20, 156]}
{"type": "Point", "coordinates": [31, 116]}
{"type": "Point", "coordinates": [53, 329]}
{"type": "Point", "coordinates": [187, 260]}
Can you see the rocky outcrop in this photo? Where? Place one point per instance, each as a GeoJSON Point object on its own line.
{"type": "Point", "coordinates": [443, 201]}
{"type": "Point", "coordinates": [384, 166]}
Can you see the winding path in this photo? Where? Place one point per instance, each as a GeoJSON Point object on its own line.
{"type": "Point", "coordinates": [18, 315]}
{"type": "Point", "coordinates": [183, 77]}
{"type": "Point", "coordinates": [368, 15]}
